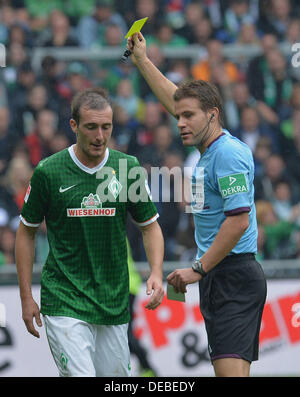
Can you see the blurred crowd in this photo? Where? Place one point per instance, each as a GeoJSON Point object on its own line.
{"type": "Point", "coordinates": [261, 95]}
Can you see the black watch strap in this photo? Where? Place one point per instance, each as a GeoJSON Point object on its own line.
{"type": "Point", "coordinates": [197, 267]}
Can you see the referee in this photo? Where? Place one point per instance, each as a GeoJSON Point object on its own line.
{"type": "Point", "coordinates": [231, 282]}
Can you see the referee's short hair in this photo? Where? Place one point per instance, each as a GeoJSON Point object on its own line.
{"type": "Point", "coordinates": [207, 94]}
{"type": "Point", "coordinates": [90, 98]}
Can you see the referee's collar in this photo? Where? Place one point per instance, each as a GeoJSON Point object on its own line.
{"type": "Point", "coordinates": [223, 133]}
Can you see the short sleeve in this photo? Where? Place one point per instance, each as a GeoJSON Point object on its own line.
{"type": "Point", "coordinates": [36, 199]}
{"type": "Point", "coordinates": [234, 178]}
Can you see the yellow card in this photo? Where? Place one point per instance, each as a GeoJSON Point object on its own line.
{"type": "Point", "coordinates": [136, 27]}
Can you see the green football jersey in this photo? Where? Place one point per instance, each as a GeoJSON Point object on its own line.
{"type": "Point", "coordinates": [86, 273]}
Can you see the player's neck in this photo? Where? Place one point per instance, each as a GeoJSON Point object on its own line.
{"type": "Point", "coordinates": [87, 161]}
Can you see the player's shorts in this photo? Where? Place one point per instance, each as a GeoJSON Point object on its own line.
{"type": "Point", "coordinates": [232, 298]}
{"type": "Point", "coordinates": [83, 349]}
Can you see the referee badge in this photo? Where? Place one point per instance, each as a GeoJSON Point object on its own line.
{"type": "Point", "coordinates": [233, 184]}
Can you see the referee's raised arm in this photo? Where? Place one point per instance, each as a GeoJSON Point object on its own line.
{"type": "Point", "coordinates": [163, 88]}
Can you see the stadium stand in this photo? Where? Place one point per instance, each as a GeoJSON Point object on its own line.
{"type": "Point", "coordinates": [54, 49]}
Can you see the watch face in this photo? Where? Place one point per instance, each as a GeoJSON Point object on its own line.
{"type": "Point", "coordinates": [197, 266]}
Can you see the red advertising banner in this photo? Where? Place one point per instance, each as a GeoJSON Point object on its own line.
{"type": "Point", "coordinates": [174, 336]}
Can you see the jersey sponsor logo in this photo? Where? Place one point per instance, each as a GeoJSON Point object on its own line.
{"type": "Point", "coordinates": [91, 201]}
{"type": "Point", "coordinates": [233, 184]}
{"type": "Point", "coordinates": [27, 193]}
{"type": "Point", "coordinates": [91, 206]}
{"type": "Point", "coordinates": [80, 212]}
{"type": "Point", "coordinates": [62, 190]}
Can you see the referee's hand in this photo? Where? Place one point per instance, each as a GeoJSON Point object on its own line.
{"type": "Point", "coordinates": [137, 45]}
{"type": "Point", "coordinates": [181, 277]}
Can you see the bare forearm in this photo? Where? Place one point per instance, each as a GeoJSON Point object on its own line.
{"type": "Point", "coordinates": [154, 247]}
{"type": "Point", "coordinates": [24, 260]}
{"type": "Point", "coordinates": [162, 88]}
{"type": "Point", "coordinates": [229, 235]}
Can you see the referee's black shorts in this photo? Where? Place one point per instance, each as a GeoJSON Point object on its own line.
{"type": "Point", "coordinates": [232, 298]}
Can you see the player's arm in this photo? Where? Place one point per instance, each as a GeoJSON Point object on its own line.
{"type": "Point", "coordinates": [154, 247]}
{"type": "Point", "coordinates": [163, 88]}
{"type": "Point", "coordinates": [24, 249]}
{"type": "Point", "coordinates": [227, 238]}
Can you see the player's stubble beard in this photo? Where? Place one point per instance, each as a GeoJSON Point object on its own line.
{"type": "Point", "coordinates": [83, 147]}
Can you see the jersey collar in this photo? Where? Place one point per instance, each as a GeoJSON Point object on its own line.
{"type": "Point", "coordinates": [218, 137]}
{"type": "Point", "coordinates": [85, 168]}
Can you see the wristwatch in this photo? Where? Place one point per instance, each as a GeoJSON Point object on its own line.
{"type": "Point", "coordinates": [197, 267]}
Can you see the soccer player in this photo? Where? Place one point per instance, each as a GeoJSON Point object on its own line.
{"type": "Point", "coordinates": [231, 282]}
{"type": "Point", "coordinates": [85, 284]}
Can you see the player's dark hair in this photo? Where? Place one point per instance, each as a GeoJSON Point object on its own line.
{"type": "Point", "coordinates": [206, 93]}
{"type": "Point", "coordinates": [91, 98]}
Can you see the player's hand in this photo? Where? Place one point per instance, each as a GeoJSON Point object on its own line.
{"type": "Point", "coordinates": [181, 277]}
{"type": "Point", "coordinates": [137, 45]}
{"type": "Point", "coordinates": [154, 287]}
{"type": "Point", "coordinates": [31, 310]}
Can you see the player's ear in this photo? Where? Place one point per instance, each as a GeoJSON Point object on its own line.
{"type": "Point", "coordinates": [73, 125]}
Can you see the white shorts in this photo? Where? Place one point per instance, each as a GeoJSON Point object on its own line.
{"type": "Point", "coordinates": [83, 349]}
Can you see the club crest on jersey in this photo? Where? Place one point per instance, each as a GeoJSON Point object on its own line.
{"type": "Point", "coordinates": [91, 206]}
{"type": "Point", "coordinates": [115, 187]}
